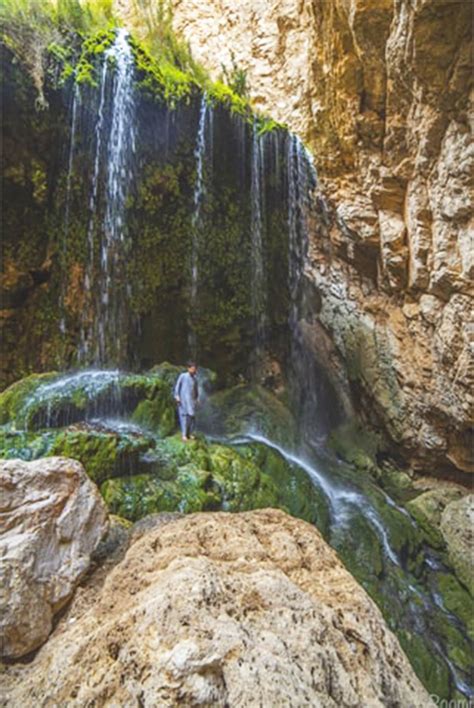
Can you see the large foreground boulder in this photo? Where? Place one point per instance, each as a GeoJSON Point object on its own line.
{"type": "Point", "coordinates": [52, 520]}
{"type": "Point", "coordinates": [225, 610]}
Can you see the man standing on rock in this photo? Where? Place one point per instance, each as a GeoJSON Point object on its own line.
{"type": "Point", "coordinates": [186, 395]}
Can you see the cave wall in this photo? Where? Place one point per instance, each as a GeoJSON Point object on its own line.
{"type": "Point", "coordinates": [379, 90]}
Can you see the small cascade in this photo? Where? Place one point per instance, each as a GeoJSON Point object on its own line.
{"type": "Point", "coordinates": [104, 338]}
{"type": "Point", "coordinates": [258, 284]}
{"type": "Point", "coordinates": [202, 143]}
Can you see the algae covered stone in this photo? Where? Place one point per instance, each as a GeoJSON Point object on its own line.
{"type": "Point", "coordinates": [457, 527]}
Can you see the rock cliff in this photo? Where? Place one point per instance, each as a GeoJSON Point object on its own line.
{"type": "Point", "coordinates": [379, 90]}
{"type": "Point", "coordinates": [209, 609]}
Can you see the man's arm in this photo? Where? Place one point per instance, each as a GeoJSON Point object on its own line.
{"type": "Point", "coordinates": [177, 388]}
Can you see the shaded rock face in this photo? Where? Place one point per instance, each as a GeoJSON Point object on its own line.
{"type": "Point", "coordinates": [379, 90]}
{"type": "Point", "coordinates": [53, 519]}
{"type": "Point", "coordinates": [209, 610]}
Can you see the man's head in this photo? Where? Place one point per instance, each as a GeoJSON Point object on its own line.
{"type": "Point", "coordinates": [191, 366]}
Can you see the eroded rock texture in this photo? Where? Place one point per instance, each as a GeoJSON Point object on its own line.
{"type": "Point", "coordinates": [53, 518]}
{"type": "Point", "coordinates": [379, 89]}
{"type": "Point", "coordinates": [222, 609]}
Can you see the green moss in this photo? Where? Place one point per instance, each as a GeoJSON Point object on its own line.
{"type": "Point", "coordinates": [25, 446]}
{"type": "Point", "coordinates": [161, 79]}
{"type": "Point", "coordinates": [13, 399]}
{"type": "Point", "coordinates": [428, 666]}
{"type": "Point", "coordinates": [355, 444]}
{"type": "Point", "coordinates": [426, 510]}
{"type": "Point", "coordinates": [92, 48]}
{"type": "Point", "coordinates": [243, 408]}
{"type": "Point", "coordinates": [103, 455]}
{"type": "Point", "coordinates": [267, 125]}
{"type": "Point", "coordinates": [457, 600]}
{"type": "Point", "coordinates": [220, 93]}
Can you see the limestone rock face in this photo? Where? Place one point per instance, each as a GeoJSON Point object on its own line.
{"type": "Point", "coordinates": [222, 609]}
{"type": "Point", "coordinates": [53, 518]}
{"type": "Point", "coordinates": [379, 89]}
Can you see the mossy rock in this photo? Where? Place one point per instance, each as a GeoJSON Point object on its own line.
{"type": "Point", "coordinates": [25, 445]}
{"type": "Point", "coordinates": [52, 401]}
{"type": "Point", "coordinates": [427, 509]}
{"type": "Point", "coordinates": [355, 444]}
{"type": "Point", "coordinates": [198, 476]}
{"type": "Point", "coordinates": [428, 666]}
{"type": "Point", "coordinates": [457, 528]}
{"type": "Point", "coordinates": [296, 491]}
{"type": "Point", "coordinates": [360, 551]}
{"type": "Point", "coordinates": [12, 399]}
{"type": "Point", "coordinates": [103, 454]}
{"type": "Point", "coordinates": [457, 600]}
{"type": "Point", "coordinates": [244, 408]}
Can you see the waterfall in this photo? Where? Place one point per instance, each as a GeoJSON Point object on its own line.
{"type": "Point", "coordinates": [258, 284]}
{"type": "Point", "coordinates": [301, 181]}
{"type": "Point", "coordinates": [104, 335]}
{"type": "Point", "coordinates": [196, 218]}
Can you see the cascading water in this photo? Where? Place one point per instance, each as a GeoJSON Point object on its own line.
{"type": "Point", "coordinates": [104, 334]}
{"type": "Point", "coordinates": [196, 219]}
{"type": "Point", "coordinates": [258, 284]}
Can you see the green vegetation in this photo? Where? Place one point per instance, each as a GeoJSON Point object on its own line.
{"type": "Point", "coordinates": [64, 38]}
{"type": "Point", "coordinates": [41, 31]}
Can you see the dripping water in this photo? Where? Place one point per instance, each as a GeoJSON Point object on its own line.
{"type": "Point", "coordinates": [258, 284]}
{"type": "Point", "coordinates": [196, 218]}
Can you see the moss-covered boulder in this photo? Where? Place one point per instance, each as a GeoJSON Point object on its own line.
{"type": "Point", "coordinates": [25, 445]}
{"type": "Point", "coordinates": [103, 454]}
{"type": "Point", "coordinates": [13, 398]}
{"type": "Point", "coordinates": [427, 508]}
{"type": "Point", "coordinates": [245, 408]}
{"type": "Point", "coordinates": [52, 400]}
{"type": "Point", "coordinates": [200, 476]}
{"type": "Point", "coordinates": [457, 527]}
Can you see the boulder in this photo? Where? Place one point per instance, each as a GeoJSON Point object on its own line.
{"type": "Point", "coordinates": [222, 609]}
{"type": "Point", "coordinates": [53, 519]}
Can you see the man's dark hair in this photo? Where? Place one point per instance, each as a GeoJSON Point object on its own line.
{"type": "Point", "coordinates": [190, 363]}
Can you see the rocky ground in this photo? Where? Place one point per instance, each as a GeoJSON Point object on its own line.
{"type": "Point", "coordinates": [218, 609]}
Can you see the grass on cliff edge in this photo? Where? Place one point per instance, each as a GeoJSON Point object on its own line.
{"type": "Point", "coordinates": [71, 33]}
